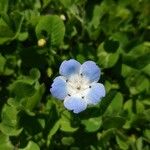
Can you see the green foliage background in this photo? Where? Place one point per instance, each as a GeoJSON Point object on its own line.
{"type": "Point", "coordinates": [113, 33]}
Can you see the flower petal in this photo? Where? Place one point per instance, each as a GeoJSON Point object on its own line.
{"type": "Point", "coordinates": [95, 94]}
{"type": "Point", "coordinates": [74, 103]}
{"type": "Point", "coordinates": [69, 67]}
{"type": "Point", "coordinates": [59, 88]}
{"type": "Point", "coordinates": [90, 70]}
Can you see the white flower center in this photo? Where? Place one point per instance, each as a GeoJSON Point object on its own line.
{"type": "Point", "coordinates": [77, 84]}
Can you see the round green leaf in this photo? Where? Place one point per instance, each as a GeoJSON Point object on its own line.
{"type": "Point", "coordinates": [21, 89]}
{"type": "Point", "coordinates": [35, 73]}
{"type": "Point", "coordinates": [92, 124]}
{"type": "Point", "coordinates": [52, 28]}
{"type": "Point", "coordinates": [106, 59]}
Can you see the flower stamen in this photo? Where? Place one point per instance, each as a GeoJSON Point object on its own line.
{"type": "Point", "coordinates": [78, 88]}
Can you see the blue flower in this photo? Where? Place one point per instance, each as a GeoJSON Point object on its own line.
{"type": "Point", "coordinates": [77, 85]}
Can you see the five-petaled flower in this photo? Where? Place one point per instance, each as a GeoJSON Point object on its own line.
{"type": "Point", "coordinates": [77, 85]}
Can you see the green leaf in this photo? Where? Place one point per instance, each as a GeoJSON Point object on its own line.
{"type": "Point", "coordinates": [9, 115]}
{"type": "Point", "coordinates": [32, 79]}
{"type": "Point", "coordinates": [35, 74]}
{"type": "Point", "coordinates": [32, 16]}
{"type": "Point", "coordinates": [9, 130]}
{"type": "Point", "coordinates": [122, 140]}
{"type": "Point", "coordinates": [23, 36]}
{"type": "Point", "coordinates": [139, 143]}
{"type": "Point", "coordinates": [146, 102]}
{"type": "Point", "coordinates": [94, 26]}
{"type": "Point", "coordinates": [113, 122]}
{"type": "Point", "coordinates": [92, 124]}
{"type": "Point", "coordinates": [31, 102]}
{"type": "Point", "coordinates": [13, 102]}
{"type": "Point", "coordinates": [52, 124]}
{"type": "Point", "coordinates": [97, 14]}
{"type": "Point", "coordinates": [137, 83]}
{"type": "Point", "coordinates": [67, 141]}
{"type": "Point", "coordinates": [5, 143]}
{"type": "Point", "coordinates": [107, 59]}
{"type": "Point", "coordinates": [128, 105]}
{"type": "Point", "coordinates": [67, 3]}
{"type": "Point", "coordinates": [105, 135]}
{"type": "Point", "coordinates": [139, 107]}
{"type": "Point", "coordinates": [123, 145]}
{"type": "Point", "coordinates": [116, 105]}
{"type": "Point", "coordinates": [147, 133]}
{"type": "Point", "coordinates": [4, 6]}
{"type": "Point", "coordinates": [6, 28]}
{"type": "Point", "coordinates": [146, 70]}
{"type": "Point", "coordinates": [2, 62]}
{"type": "Point", "coordinates": [66, 126]}
{"type": "Point", "coordinates": [51, 27]}
{"type": "Point", "coordinates": [138, 57]}
{"type": "Point", "coordinates": [65, 123]}
{"type": "Point", "coordinates": [46, 3]}
{"type": "Point", "coordinates": [146, 115]}
{"type": "Point", "coordinates": [31, 146]}
{"type": "Point", "coordinates": [127, 70]}
{"type": "Point", "coordinates": [52, 132]}
{"type": "Point", "coordinates": [6, 34]}
{"type": "Point", "coordinates": [106, 101]}
{"type": "Point", "coordinates": [9, 122]}
{"type": "Point", "coordinates": [21, 89]}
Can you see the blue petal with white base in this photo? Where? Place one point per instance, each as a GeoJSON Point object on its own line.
{"type": "Point", "coordinates": [76, 104]}
{"type": "Point", "coordinates": [69, 67]}
{"type": "Point", "coordinates": [96, 93]}
{"type": "Point", "coordinates": [90, 70]}
{"type": "Point", "coordinates": [59, 88]}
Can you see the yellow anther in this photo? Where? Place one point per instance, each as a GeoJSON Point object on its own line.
{"type": "Point", "coordinates": [62, 17]}
{"type": "Point", "coordinates": [41, 42]}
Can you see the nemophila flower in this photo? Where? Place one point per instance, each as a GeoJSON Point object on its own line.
{"type": "Point", "coordinates": [77, 85]}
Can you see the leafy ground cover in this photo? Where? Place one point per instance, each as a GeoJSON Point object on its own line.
{"type": "Point", "coordinates": [36, 36]}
